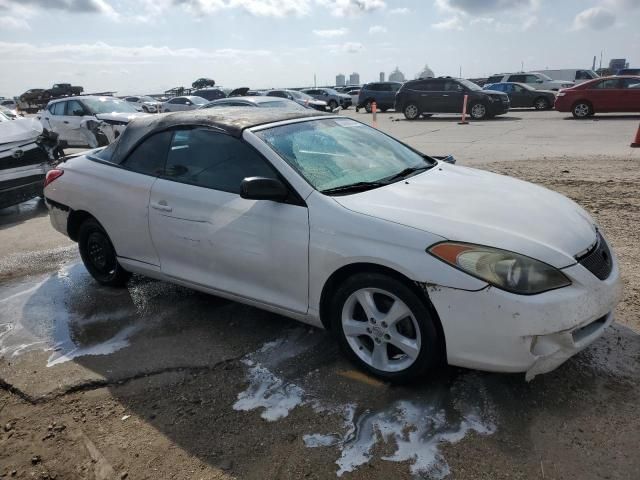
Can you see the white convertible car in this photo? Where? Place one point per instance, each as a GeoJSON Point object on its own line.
{"type": "Point", "coordinates": [408, 260]}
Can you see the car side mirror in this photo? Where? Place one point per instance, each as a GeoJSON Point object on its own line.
{"type": "Point", "coordinates": [326, 94]}
{"type": "Point", "coordinates": [78, 113]}
{"type": "Point", "coordinates": [262, 188]}
{"type": "Point", "coordinates": [539, 81]}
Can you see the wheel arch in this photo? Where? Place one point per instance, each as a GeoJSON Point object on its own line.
{"type": "Point", "coordinates": [346, 271]}
{"type": "Point", "coordinates": [77, 218]}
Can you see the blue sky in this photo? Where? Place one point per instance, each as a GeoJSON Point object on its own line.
{"type": "Point", "coordinates": [148, 46]}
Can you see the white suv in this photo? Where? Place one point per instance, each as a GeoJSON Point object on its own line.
{"type": "Point", "coordinates": [539, 81]}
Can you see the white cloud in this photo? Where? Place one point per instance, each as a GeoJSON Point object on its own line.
{"type": "Point", "coordinates": [344, 8]}
{"type": "Point", "coordinates": [101, 52]}
{"type": "Point", "coordinates": [453, 23]}
{"type": "Point", "coordinates": [13, 23]}
{"type": "Point", "coordinates": [399, 11]}
{"type": "Point", "coordinates": [375, 29]}
{"type": "Point", "coordinates": [262, 8]}
{"type": "Point", "coordinates": [595, 18]}
{"type": "Point", "coordinates": [338, 32]}
{"type": "Point", "coordinates": [473, 7]}
{"type": "Point", "coordinates": [347, 47]}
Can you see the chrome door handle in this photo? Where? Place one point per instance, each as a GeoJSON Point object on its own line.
{"type": "Point", "coordinates": [445, 95]}
{"type": "Point", "coordinates": [162, 206]}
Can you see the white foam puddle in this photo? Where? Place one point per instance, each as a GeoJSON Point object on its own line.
{"type": "Point", "coordinates": [54, 313]}
{"type": "Point", "coordinates": [409, 430]}
{"type": "Point", "coordinates": [415, 430]}
{"type": "Point", "coordinates": [270, 393]}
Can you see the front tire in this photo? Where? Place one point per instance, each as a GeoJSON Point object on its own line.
{"type": "Point", "coordinates": [582, 110]}
{"type": "Point", "coordinates": [411, 111]}
{"type": "Point", "coordinates": [385, 328]}
{"type": "Point", "coordinates": [333, 105]}
{"type": "Point", "coordinates": [99, 256]}
{"type": "Point", "coordinates": [478, 111]}
{"type": "Point", "coordinates": [368, 106]}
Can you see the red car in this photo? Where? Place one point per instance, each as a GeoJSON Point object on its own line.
{"type": "Point", "coordinates": [606, 94]}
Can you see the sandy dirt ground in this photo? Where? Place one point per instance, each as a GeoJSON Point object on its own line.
{"type": "Point", "coordinates": [187, 386]}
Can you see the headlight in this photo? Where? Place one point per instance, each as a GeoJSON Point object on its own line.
{"type": "Point", "coordinates": [566, 85]}
{"type": "Point", "coordinates": [509, 271]}
{"type": "Point", "coordinates": [560, 94]}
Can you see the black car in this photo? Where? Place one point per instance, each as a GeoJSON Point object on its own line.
{"type": "Point", "coordinates": [446, 95]}
{"type": "Point", "coordinates": [383, 93]}
{"type": "Point", "coordinates": [522, 95]}
{"type": "Point", "coordinates": [209, 93]}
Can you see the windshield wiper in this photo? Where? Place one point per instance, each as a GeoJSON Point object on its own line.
{"type": "Point", "coordinates": [406, 173]}
{"type": "Point", "coordinates": [354, 187]}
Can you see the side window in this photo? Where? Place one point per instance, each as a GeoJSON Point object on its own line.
{"type": "Point", "coordinates": [177, 101]}
{"type": "Point", "coordinates": [150, 155]}
{"type": "Point", "coordinates": [631, 83]}
{"type": "Point", "coordinates": [58, 108]}
{"type": "Point", "coordinates": [608, 84]}
{"type": "Point", "coordinates": [213, 160]}
{"type": "Point", "coordinates": [494, 79]}
{"type": "Point", "coordinates": [395, 87]}
{"type": "Point", "coordinates": [75, 108]}
{"type": "Point", "coordinates": [451, 86]}
{"type": "Point", "coordinates": [278, 93]}
{"type": "Point", "coordinates": [518, 78]}
{"type": "Point", "coordinates": [427, 86]}
{"type": "Point", "coordinates": [515, 89]}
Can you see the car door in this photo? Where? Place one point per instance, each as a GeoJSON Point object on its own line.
{"type": "Point", "coordinates": [519, 96]}
{"type": "Point", "coordinates": [207, 234]}
{"type": "Point", "coordinates": [607, 95]}
{"type": "Point", "coordinates": [631, 94]}
{"type": "Point", "coordinates": [120, 196]}
{"type": "Point", "coordinates": [75, 114]}
{"type": "Point", "coordinates": [176, 104]}
{"type": "Point", "coordinates": [452, 97]}
{"type": "Point", "coordinates": [52, 119]}
{"type": "Point", "coordinates": [428, 95]}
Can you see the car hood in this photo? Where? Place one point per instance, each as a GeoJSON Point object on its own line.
{"type": "Point", "coordinates": [19, 131]}
{"type": "Point", "coordinates": [469, 205]}
{"type": "Point", "coordinates": [120, 116]}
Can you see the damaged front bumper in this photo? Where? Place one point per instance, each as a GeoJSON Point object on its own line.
{"type": "Point", "coordinates": [494, 330]}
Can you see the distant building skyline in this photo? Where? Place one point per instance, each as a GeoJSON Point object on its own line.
{"type": "Point", "coordinates": [396, 76]}
{"type": "Point", "coordinates": [382, 76]}
{"type": "Point", "coordinates": [354, 79]}
{"type": "Point", "coordinates": [340, 79]}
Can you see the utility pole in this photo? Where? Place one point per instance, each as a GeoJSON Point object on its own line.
{"type": "Point", "coordinates": [315, 84]}
{"type": "Point", "coordinates": [460, 74]}
{"type": "Point", "coordinates": [601, 59]}
{"type": "Point", "coordinates": [522, 66]}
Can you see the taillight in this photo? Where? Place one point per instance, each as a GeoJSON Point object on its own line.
{"type": "Point", "coordinates": [52, 175]}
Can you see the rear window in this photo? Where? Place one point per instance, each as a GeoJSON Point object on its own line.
{"type": "Point", "coordinates": [494, 79]}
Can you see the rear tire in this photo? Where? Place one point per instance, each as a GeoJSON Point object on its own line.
{"type": "Point", "coordinates": [368, 106]}
{"type": "Point", "coordinates": [333, 105]}
{"type": "Point", "coordinates": [581, 110]}
{"type": "Point", "coordinates": [401, 343]}
{"type": "Point", "coordinates": [411, 111]}
{"type": "Point", "coordinates": [99, 256]}
{"type": "Point", "coordinates": [541, 103]}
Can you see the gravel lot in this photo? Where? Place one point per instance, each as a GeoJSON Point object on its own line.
{"type": "Point", "coordinates": [158, 381]}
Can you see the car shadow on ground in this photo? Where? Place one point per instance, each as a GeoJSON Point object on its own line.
{"type": "Point", "coordinates": [606, 118]}
{"type": "Point", "coordinates": [262, 396]}
{"type": "Point", "coordinates": [16, 214]}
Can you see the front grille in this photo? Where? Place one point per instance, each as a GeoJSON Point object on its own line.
{"type": "Point", "coordinates": [598, 260]}
{"type": "Point", "coordinates": [29, 154]}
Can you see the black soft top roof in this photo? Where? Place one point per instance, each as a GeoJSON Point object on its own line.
{"type": "Point", "coordinates": [229, 120]}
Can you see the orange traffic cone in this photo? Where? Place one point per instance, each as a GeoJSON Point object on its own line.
{"type": "Point", "coordinates": [636, 142]}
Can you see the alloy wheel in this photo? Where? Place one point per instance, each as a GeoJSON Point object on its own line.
{"type": "Point", "coordinates": [381, 329]}
{"type": "Point", "coordinates": [581, 110]}
{"type": "Point", "coordinates": [478, 111]}
{"type": "Point", "coordinates": [541, 104]}
{"type": "Point", "coordinates": [411, 111]}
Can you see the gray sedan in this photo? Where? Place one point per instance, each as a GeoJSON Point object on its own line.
{"type": "Point", "coordinates": [263, 102]}
{"type": "Point", "coordinates": [331, 96]}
